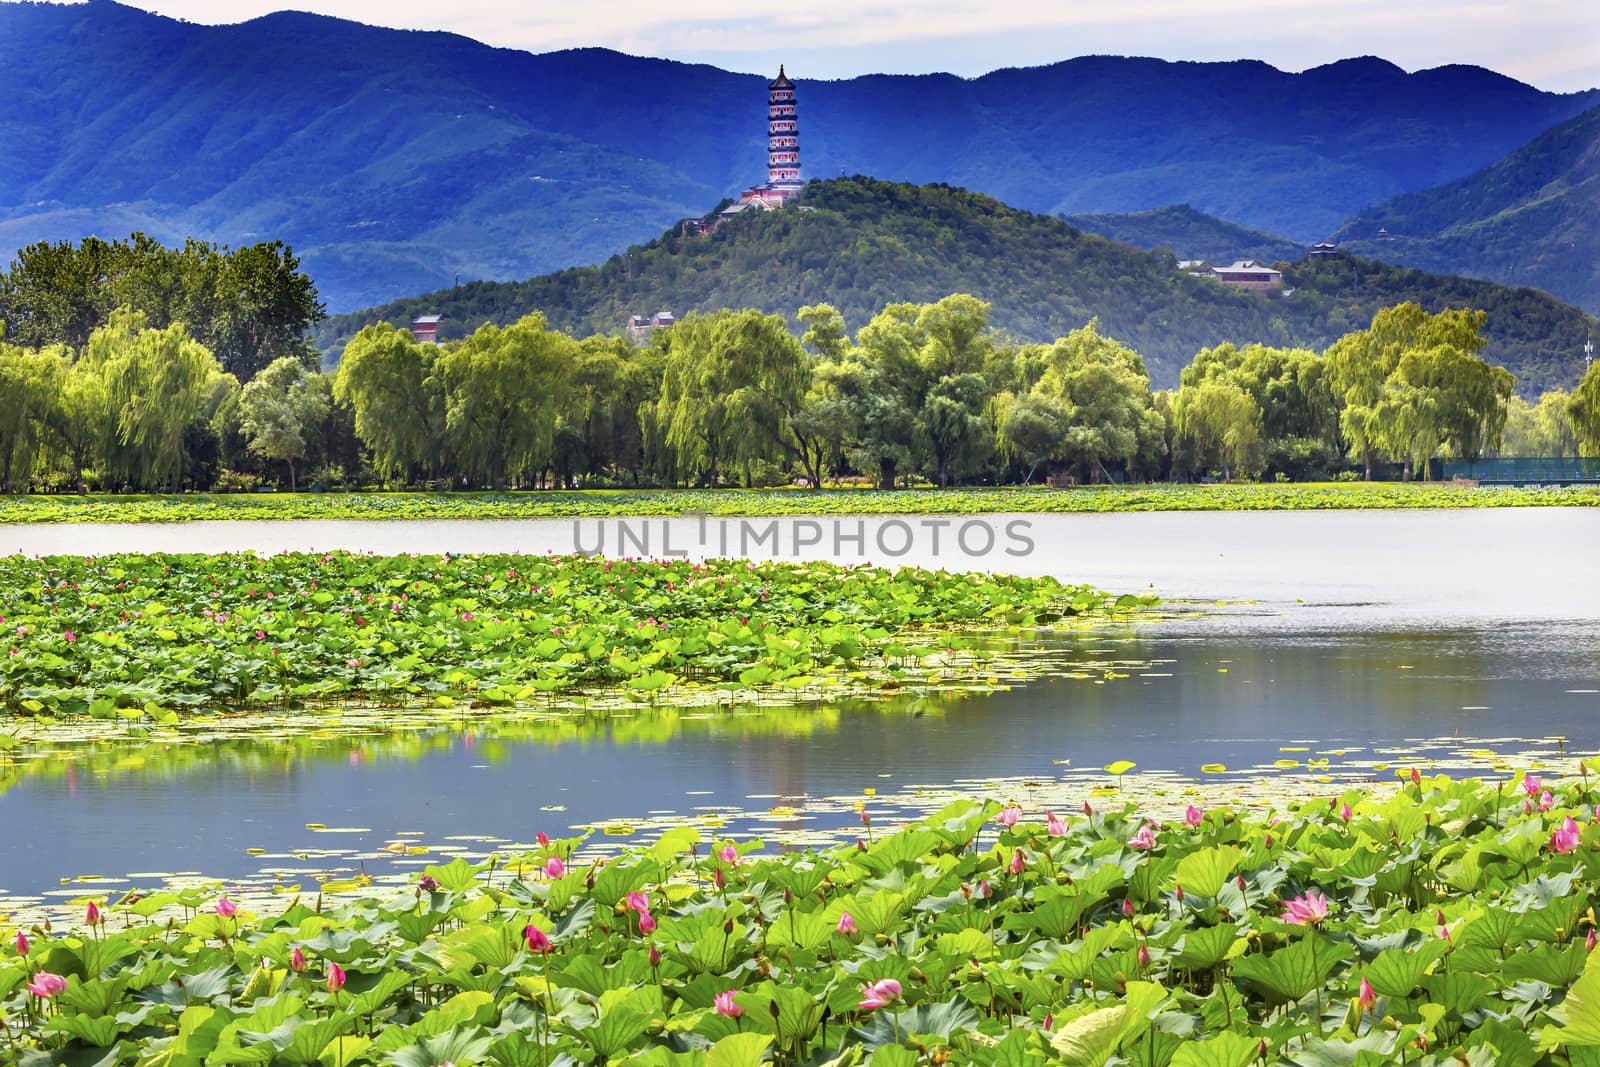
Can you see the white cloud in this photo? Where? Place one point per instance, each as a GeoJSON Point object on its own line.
{"type": "Point", "coordinates": [1551, 43]}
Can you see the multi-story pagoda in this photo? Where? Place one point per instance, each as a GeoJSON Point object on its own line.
{"type": "Point", "coordinates": [783, 152]}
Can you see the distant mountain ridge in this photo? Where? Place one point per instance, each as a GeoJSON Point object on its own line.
{"type": "Point", "coordinates": [859, 244]}
{"type": "Point", "coordinates": [1532, 218]}
{"type": "Point", "coordinates": [1190, 234]}
{"type": "Point", "coordinates": [396, 161]}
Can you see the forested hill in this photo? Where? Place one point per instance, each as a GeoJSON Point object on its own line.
{"type": "Point", "coordinates": [1190, 234]}
{"type": "Point", "coordinates": [859, 244]}
{"type": "Point", "coordinates": [395, 161]}
{"type": "Point", "coordinates": [1532, 218]}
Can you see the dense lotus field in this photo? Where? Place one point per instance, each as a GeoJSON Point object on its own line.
{"type": "Point", "coordinates": [730, 503]}
{"type": "Point", "coordinates": [148, 636]}
{"type": "Point", "coordinates": [1444, 922]}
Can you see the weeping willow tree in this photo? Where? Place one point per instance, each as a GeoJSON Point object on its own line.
{"type": "Point", "coordinates": [733, 391]}
{"type": "Point", "coordinates": [156, 383]}
{"type": "Point", "coordinates": [393, 385]}
{"type": "Point", "coordinates": [504, 389]}
{"type": "Point", "coordinates": [29, 386]}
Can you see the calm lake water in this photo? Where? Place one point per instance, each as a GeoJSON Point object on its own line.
{"type": "Point", "coordinates": [1375, 638]}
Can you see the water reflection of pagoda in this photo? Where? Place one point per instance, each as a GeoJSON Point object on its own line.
{"type": "Point", "coordinates": [783, 152]}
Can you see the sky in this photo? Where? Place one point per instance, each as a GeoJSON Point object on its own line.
{"type": "Point", "coordinates": [1554, 44]}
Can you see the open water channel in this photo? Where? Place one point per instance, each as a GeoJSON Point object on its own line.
{"type": "Point", "coordinates": [1369, 640]}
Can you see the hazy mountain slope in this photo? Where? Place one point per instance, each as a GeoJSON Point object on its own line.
{"type": "Point", "coordinates": [860, 244]}
{"type": "Point", "coordinates": [1190, 234]}
{"type": "Point", "coordinates": [394, 161]}
{"type": "Point", "coordinates": [1532, 218]}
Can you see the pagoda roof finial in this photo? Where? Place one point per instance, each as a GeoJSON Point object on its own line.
{"type": "Point", "coordinates": [781, 81]}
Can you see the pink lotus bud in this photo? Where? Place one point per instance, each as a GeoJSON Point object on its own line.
{"type": "Point", "coordinates": [297, 960]}
{"type": "Point", "coordinates": [1144, 840]}
{"type": "Point", "coordinates": [542, 839]}
{"type": "Point", "coordinates": [984, 892]}
{"type": "Point", "coordinates": [226, 908]}
{"type": "Point", "coordinates": [1017, 862]}
{"type": "Point", "coordinates": [879, 994]}
{"type": "Point", "coordinates": [1589, 940]}
{"type": "Point", "coordinates": [725, 1004]}
{"type": "Point", "coordinates": [639, 902]}
{"type": "Point", "coordinates": [1087, 810]}
{"type": "Point", "coordinates": [866, 820]}
{"type": "Point", "coordinates": [1193, 816]}
{"type": "Point", "coordinates": [847, 925]}
{"type": "Point", "coordinates": [1144, 956]}
{"type": "Point", "coordinates": [1180, 893]}
{"type": "Point", "coordinates": [1531, 785]}
{"type": "Point", "coordinates": [1368, 997]}
{"type": "Point", "coordinates": [1239, 881]}
{"type": "Point", "coordinates": [554, 868]}
{"type": "Point", "coordinates": [46, 985]}
{"type": "Point", "coordinates": [1527, 807]}
{"type": "Point", "coordinates": [536, 939]}
{"type": "Point", "coordinates": [1344, 812]}
{"type": "Point", "coordinates": [647, 924]}
{"type": "Point", "coordinates": [335, 977]}
{"type": "Point", "coordinates": [1050, 1021]}
{"type": "Point", "coordinates": [22, 943]}
{"type": "Point", "coordinates": [655, 956]}
{"type": "Point", "coordinates": [1546, 801]}
{"type": "Point", "coordinates": [1054, 825]}
{"type": "Point", "coordinates": [91, 914]}
{"type": "Point", "coordinates": [1127, 906]}
{"type": "Point", "coordinates": [1268, 841]}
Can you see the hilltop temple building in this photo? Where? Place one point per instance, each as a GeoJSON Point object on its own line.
{"type": "Point", "coordinates": [783, 182]}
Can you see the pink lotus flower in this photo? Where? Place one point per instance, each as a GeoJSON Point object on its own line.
{"type": "Point", "coordinates": [1008, 816]}
{"type": "Point", "coordinates": [46, 985]}
{"type": "Point", "coordinates": [847, 925]}
{"type": "Point", "coordinates": [1566, 838]}
{"type": "Point", "coordinates": [1344, 812]}
{"type": "Point", "coordinates": [22, 943]}
{"type": "Point", "coordinates": [429, 883]}
{"type": "Point", "coordinates": [536, 939]}
{"type": "Point", "coordinates": [1193, 816]}
{"type": "Point", "coordinates": [1546, 801]}
{"type": "Point", "coordinates": [1308, 910]}
{"type": "Point", "coordinates": [1144, 840]}
{"type": "Point", "coordinates": [647, 924]}
{"type": "Point", "coordinates": [725, 1004]}
{"type": "Point", "coordinates": [226, 908]}
{"type": "Point", "coordinates": [879, 994]}
{"type": "Point", "coordinates": [554, 868]}
{"type": "Point", "coordinates": [335, 977]}
{"type": "Point", "coordinates": [297, 960]}
{"type": "Point", "coordinates": [70, 636]}
{"type": "Point", "coordinates": [639, 902]}
{"type": "Point", "coordinates": [1368, 998]}
{"type": "Point", "coordinates": [1018, 862]}
{"type": "Point", "coordinates": [729, 855]}
{"type": "Point", "coordinates": [1054, 825]}
{"type": "Point", "coordinates": [1531, 785]}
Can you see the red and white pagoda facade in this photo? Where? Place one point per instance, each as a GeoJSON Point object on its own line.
{"type": "Point", "coordinates": [783, 150]}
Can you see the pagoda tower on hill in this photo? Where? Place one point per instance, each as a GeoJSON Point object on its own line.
{"type": "Point", "coordinates": [783, 133]}
{"type": "Point", "coordinates": [783, 152]}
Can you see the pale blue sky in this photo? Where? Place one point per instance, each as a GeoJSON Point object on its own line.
{"type": "Point", "coordinates": [1554, 44]}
